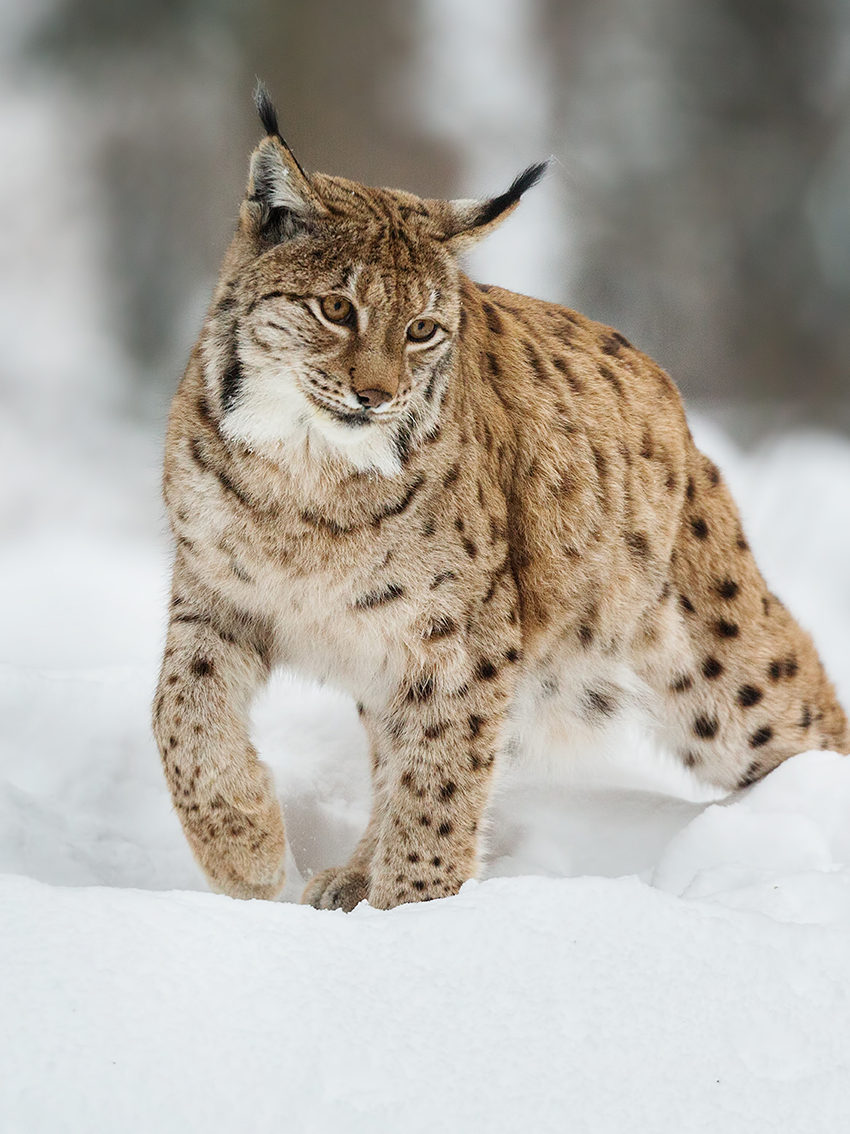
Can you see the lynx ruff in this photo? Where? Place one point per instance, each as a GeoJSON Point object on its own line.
{"type": "Point", "coordinates": [481, 514]}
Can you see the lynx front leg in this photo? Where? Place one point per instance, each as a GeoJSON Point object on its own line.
{"type": "Point", "coordinates": [438, 780]}
{"type": "Point", "coordinates": [344, 887]}
{"type": "Point", "coordinates": [222, 792]}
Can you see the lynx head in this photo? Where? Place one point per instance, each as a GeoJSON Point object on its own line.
{"type": "Point", "coordinates": [336, 317]}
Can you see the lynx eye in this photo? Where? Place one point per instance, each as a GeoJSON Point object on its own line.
{"type": "Point", "coordinates": [336, 308]}
{"type": "Point", "coordinates": [421, 330]}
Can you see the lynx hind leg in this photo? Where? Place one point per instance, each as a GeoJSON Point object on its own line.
{"type": "Point", "coordinates": [748, 690]}
{"type": "Point", "coordinates": [222, 792]}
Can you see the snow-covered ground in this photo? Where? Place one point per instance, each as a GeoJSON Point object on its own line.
{"type": "Point", "coordinates": [637, 958]}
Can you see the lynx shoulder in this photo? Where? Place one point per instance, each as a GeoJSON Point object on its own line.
{"type": "Point", "coordinates": [480, 514]}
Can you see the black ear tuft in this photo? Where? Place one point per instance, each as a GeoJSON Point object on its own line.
{"type": "Point", "coordinates": [497, 205]}
{"type": "Point", "coordinates": [266, 110]}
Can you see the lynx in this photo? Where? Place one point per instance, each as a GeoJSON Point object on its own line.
{"type": "Point", "coordinates": [482, 515]}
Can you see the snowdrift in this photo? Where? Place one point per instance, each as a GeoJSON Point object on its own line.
{"type": "Point", "coordinates": [637, 957]}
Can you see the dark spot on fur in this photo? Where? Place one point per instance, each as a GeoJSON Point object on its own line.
{"type": "Point", "coordinates": [424, 821]}
{"type": "Point", "coordinates": [436, 861]}
{"type": "Point", "coordinates": [741, 543]}
{"type": "Point", "coordinates": [638, 544]}
{"type": "Point", "coordinates": [711, 668]}
{"type": "Point", "coordinates": [494, 319]}
{"type": "Point", "coordinates": [690, 759]}
{"type": "Point", "coordinates": [231, 381]}
{"type": "Point", "coordinates": [562, 365]}
{"type": "Point", "coordinates": [691, 489]}
{"type": "Point", "coordinates": [761, 736]}
{"type": "Point", "coordinates": [451, 476]}
{"type": "Point", "coordinates": [469, 547]}
{"type": "Point", "coordinates": [421, 690]}
{"type": "Point", "coordinates": [752, 774]}
{"type": "Point", "coordinates": [806, 719]}
{"type": "Point", "coordinates": [585, 635]}
{"type": "Point", "coordinates": [429, 527]}
{"type": "Point", "coordinates": [612, 379]}
{"type": "Point", "coordinates": [435, 731]}
{"type": "Point", "coordinates": [599, 703]}
{"type": "Point", "coordinates": [447, 790]}
{"type": "Point", "coordinates": [706, 727]}
{"type": "Point", "coordinates": [495, 578]}
{"type": "Point", "coordinates": [485, 670]}
{"type": "Point", "coordinates": [380, 598]}
{"type": "Point", "coordinates": [513, 655]}
{"type": "Point", "coordinates": [724, 629]}
{"type": "Point", "coordinates": [681, 684]}
{"type": "Point", "coordinates": [613, 343]}
{"type": "Point", "coordinates": [600, 462]}
{"type": "Point", "coordinates": [727, 589]}
{"type": "Point", "coordinates": [475, 723]}
{"type": "Point", "coordinates": [202, 667]}
{"type": "Point", "coordinates": [790, 667]}
{"type": "Point", "coordinates": [441, 627]}
{"type": "Point", "coordinates": [774, 670]}
{"type": "Point", "coordinates": [699, 527]}
{"type": "Point", "coordinates": [445, 829]}
{"type": "Point", "coordinates": [418, 884]}
{"type": "Point", "coordinates": [324, 524]}
{"type": "Point", "coordinates": [401, 505]}
{"type": "Point", "coordinates": [686, 604]}
{"type": "Point", "coordinates": [204, 618]}
{"type": "Point", "coordinates": [749, 695]}
{"type": "Point", "coordinates": [403, 442]}
{"type": "Point", "coordinates": [413, 857]}
{"type": "Point", "coordinates": [443, 577]}
{"type": "Point", "coordinates": [713, 473]}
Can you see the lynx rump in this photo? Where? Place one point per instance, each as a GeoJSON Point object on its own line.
{"type": "Point", "coordinates": [481, 514]}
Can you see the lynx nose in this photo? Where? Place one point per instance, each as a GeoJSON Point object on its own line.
{"type": "Point", "coordinates": [372, 398]}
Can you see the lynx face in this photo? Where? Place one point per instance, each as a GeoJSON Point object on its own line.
{"type": "Point", "coordinates": [337, 348]}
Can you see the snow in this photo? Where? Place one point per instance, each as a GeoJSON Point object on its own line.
{"type": "Point", "coordinates": [640, 955]}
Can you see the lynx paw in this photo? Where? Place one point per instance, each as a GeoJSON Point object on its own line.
{"type": "Point", "coordinates": [241, 853]}
{"type": "Point", "coordinates": [339, 888]}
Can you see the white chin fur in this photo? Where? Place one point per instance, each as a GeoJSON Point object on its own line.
{"type": "Point", "coordinates": [272, 414]}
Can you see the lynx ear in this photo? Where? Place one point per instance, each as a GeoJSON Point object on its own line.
{"type": "Point", "coordinates": [467, 222]}
{"type": "Point", "coordinates": [277, 184]}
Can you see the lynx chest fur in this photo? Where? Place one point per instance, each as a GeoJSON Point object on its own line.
{"type": "Point", "coordinates": [478, 513]}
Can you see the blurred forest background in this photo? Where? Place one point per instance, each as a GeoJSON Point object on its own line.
{"type": "Point", "coordinates": [698, 200]}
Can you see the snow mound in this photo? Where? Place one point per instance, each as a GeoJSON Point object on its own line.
{"type": "Point", "coordinates": [640, 955]}
{"type": "Point", "coordinates": [521, 1004]}
{"type": "Point", "coordinates": [783, 851]}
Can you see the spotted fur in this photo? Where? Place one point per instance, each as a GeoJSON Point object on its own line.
{"type": "Point", "coordinates": [500, 534]}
